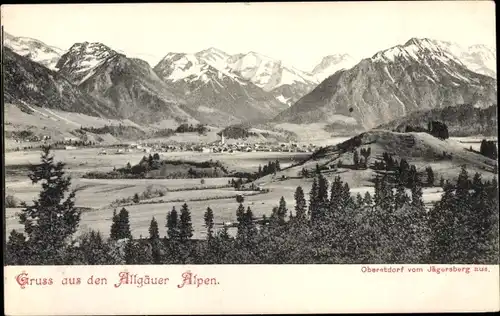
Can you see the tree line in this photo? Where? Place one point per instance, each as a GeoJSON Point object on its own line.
{"type": "Point", "coordinates": [391, 226]}
{"type": "Point", "coordinates": [435, 128]}
{"type": "Point", "coordinates": [489, 149]}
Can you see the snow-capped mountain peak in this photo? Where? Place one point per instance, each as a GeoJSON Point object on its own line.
{"type": "Point", "coordinates": [213, 57]}
{"type": "Point", "coordinates": [34, 49]}
{"type": "Point", "coordinates": [181, 66]}
{"type": "Point", "coordinates": [331, 64]}
{"type": "Point", "coordinates": [82, 58]}
{"type": "Point", "coordinates": [420, 74]}
{"type": "Point", "coordinates": [266, 72]}
{"type": "Point", "coordinates": [212, 53]}
{"type": "Point", "coordinates": [416, 49]}
{"type": "Point", "coordinates": [478, 58]}
{"type": "Point", "coordinates": [92, 52]}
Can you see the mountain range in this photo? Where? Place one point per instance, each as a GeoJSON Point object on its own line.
{"type": "Point", "coordinates": [217, 88]}
{"type": "Point", "coordinates": [29, 83]}
{"type": "Point", "coordinates": [129, 85]}
{"type": "Point", "coordinates": [421, 74]}
{"type": "Point", "coordinates": [215, 96]}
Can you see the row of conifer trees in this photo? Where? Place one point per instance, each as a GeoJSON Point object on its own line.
{"type": "Point", "coordinates": [391, 226]}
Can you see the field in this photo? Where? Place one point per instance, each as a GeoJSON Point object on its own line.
{"type": "Point", "coordinates": [99, 194]}
{"type": "Point", "coordinates": [54, 123]}
{"type": "Point", "coordinates": [473, 142]}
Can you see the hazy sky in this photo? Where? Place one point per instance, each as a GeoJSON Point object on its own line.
{"type": "Point", "coordinates": [300, 34]}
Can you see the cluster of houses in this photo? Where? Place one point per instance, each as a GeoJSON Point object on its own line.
{"type": "Point", "coordinates": [33, 139]}
{"type": "Point", "coordinates": [220, 147]}
{"type": "Point", "coordinates": [256, 147]}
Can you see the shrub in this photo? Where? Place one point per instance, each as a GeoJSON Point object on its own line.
{"type": "Point", "coordinates": [10, 201]}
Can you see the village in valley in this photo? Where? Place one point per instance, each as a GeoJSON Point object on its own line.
{"type": "Point", "coordinates": [225, 155]}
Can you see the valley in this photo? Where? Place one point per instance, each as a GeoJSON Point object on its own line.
{"type": "Point", "coordinates": [96, 196]}
{"type": "Point", "coordinates": [241, 131]}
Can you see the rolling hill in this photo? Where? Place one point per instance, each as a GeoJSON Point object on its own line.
{"type": "Point", "coordinates": [420, 149]}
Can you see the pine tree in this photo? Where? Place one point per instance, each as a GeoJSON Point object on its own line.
{"type": "Point", "coordinates": [156, 252]}
{"type": "Point", "coordinates": [465, 219]}
{"type": "Point", "coordinates": [123, 230]}
{"type": "Point", "coordinates": [240, 199]}
{"type": "Point", "coordinates": [173, 224]}
{"type": "Point", "coordinates": [246, 227]}
{"type": "Point", "coordinates": [300, 205]}
{"type": "Point", "coordinates": [355, 159]}
{"type": "Point", "coordinates": [93, 249]}
{"type": "Point", "coordinates": [322, 198]}
{"type": "Point", "coordinates": [442, 224]}
{"type": "Point", "coordinates": [368, 199]}
{"type": "Point", "coordinates": [417, 197]}
{"type": "Point", "coordinates": [488, 149]}
{"type": "Point", "coordinates": [366, 154]}
{"type": "Point", "coordinates": [403, 171]}
{"type": "Point", "coordinates": [345, 197]}
{"type": "Point", "coordinates": [487, 227]}
{"type": "Point", "coordinates": [430, 176]}
{"type": "Point", "coordinates": [240, 217]}
{"type": "Point", "coordinates": [336, 232]}
{"type": "Point", "coordinates": [359, 200]}
{"type": "Point", "coordinates": [17, 251]}
{"type": "Point", "coordinates": [274, 221]}
{"type": "Point", "coordinates": [463, 184]}
{"type": "Point", "coordinates": [185, 225]}
{"type": "Point", "coordinates": [401, 198]}
{"type": "Point", "coordinates": [52, 219]}
{"type": "Point", "coordinates": [130, 253]}
{"type": "Point", "coordinates": [251, 229]}
{"type": "Point", "coordinates": [377, 197]}
{"type": "Point", "coordinates": [282, 210]}
{"type": "Point", "coordinates": [335, 194]}
{"type": "Point", "coordinates": [224, 234]}
{"type": "Point", "coordinates": [412, 175]}
{"type": "Point", "coordinates": [136, 198]}
{"type": "Point", "coordinates": [153, 230]}
{"type": "Point", "coordinates": [209, 222]}
{"type": "Point", "coordinates": [313, 200]}
{"type": "Point", "coordinates": [384, 195]}
{"type": "Point", "coordinates": [114, 226]}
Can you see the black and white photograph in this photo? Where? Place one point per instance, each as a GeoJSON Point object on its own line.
{"type": "Point", "coordinates": [261, 133]}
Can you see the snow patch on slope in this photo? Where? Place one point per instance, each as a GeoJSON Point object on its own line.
{"type": "Point", "coordinates": [35, 50]}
